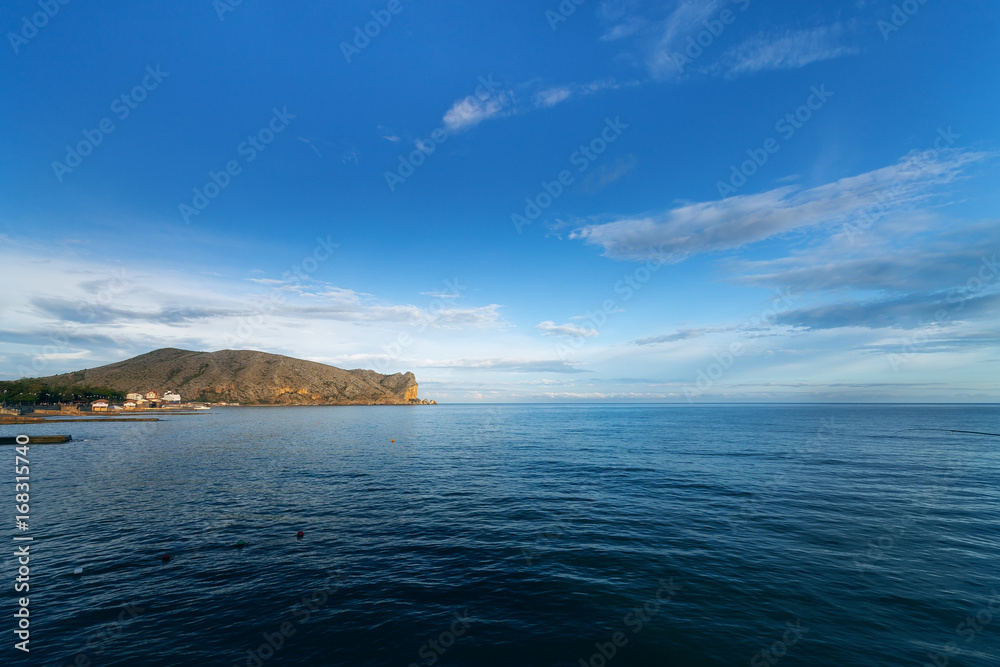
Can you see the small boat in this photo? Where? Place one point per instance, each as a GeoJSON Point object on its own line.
{"type": "Point", "coordinates": [201, 407]}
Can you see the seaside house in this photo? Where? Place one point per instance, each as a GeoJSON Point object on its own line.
{"type": "Point", "coordinates": [152, 396]}
{"type": "Point", "coordinates": [129, 405]}
{"type": "Point", "coordinates": [171, 397]}
{"type": "Point", "coordinates": [134, 396]}
{"type": "Point", "coordinates": [99, 406]}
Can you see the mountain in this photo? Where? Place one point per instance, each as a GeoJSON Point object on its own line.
{"type": "Point", "coordinates": [245, 376]}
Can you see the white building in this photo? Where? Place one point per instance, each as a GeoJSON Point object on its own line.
{"type": "Point", "coordinates": [171, 397]}
{"type": "Point", "coordinates": [134, 396]}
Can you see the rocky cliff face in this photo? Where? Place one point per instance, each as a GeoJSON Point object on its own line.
{"type": "Point", "coordinates": [247, 377]}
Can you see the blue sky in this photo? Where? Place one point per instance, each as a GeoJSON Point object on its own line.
{"type": "Point", "coordinates": [624, 200]}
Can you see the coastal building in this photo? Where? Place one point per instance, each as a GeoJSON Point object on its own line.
{"type": "Point", "coordinates": [99, 406]}
{"type": "Point", "coordinates": [171, 397]}
{"type": "Point", "coordinates": [129, 405]}
{"type": "Point", "coordinates": [152, 396]}
{"type": "Point", "coordinates": [134, 396]}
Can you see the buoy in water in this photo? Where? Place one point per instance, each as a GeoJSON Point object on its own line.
{"type": "Point", "coordinates": [300, 534]}
{"type": "Point", "coordinates": [165, 557]}
{"type": "Point", "coordinates": [394, 440]}
{"type": "Point", "coordinates": [78, 570]}
{"type": "Point", "coordinates": [240, 544]}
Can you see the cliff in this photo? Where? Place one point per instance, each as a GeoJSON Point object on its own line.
{"type": "Point", "coordinates": [246, 377]}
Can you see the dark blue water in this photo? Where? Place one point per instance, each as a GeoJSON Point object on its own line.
{"type": "Point", "coordinates": [516, 535]}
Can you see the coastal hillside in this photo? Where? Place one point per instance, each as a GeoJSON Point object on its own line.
{"type": "Point", "coordinates": [244, 376]}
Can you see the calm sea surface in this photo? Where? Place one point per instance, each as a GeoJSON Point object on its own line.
{"type": "Point", "coordinates": [515, 535]}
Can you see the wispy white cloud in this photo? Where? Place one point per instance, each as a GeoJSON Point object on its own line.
{"type": "Point", "coordinates": [672, 32]}
{"type": "Point", "coordinates": [912, 311]}
{"type": "Point", "coordinates": [788, 50]}
{"type": "Point", "coordinates": [913, 252]}
{"type": "Point", "coordinates": [470, 111]}
{"type": "Point", "coordinates": [608, 174]}
{"type": "Point", "coordinates": [312, 145]}
{"type": "Point", "coordinates": [440, 295]}
{"type": "Point", "coordinates": [388, 134]}
{"type": "Point", "coordinates": [473, 110]}
{"type": "Point", "coordinates": [87, 310]}
{"type": "Point", "coordinates": [550, 97]}
{"type": "Point", "coordinates": [553, 96]}
{"type": "Point", "coordinates": [350, 155]}
{"type": "Point", "coordinates": [677, 336]}
{"type": "Point", "coordinates": [604, 396]}
{"type": "Point", "coordinates": [682, 42]}
{"type": "Point", "coordinates": [516, 365]}
{"type": "Point", "coordinates": [626, 28]}
{"type": "Point", "coordinates": [549, 328]}
{"type": "Point", "coordinates": [690, 229]}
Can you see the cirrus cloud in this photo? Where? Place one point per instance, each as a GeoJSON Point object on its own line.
{"type": "Point", "coordinates": [549, 328]}
{"type": "Point", "coordinates": [726, 224]}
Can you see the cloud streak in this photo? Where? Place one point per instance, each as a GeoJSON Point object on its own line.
{"type": "Point", "coordinates": [79, 305]}
{"type": "Point", "coordinates": [550, 328]}
{"type": "Point", "coordinates": [681, 334]}
{"type": "Point", "coordinates": [789, 50]}
{"type": "Point", "coordinates": [904, 312]}
{"type": "Point", "coordinates": [515, 365]}
{"type": "Point", "coordinates": [470, 111]}
{"type": "Point", "coordinates": [731, 223]}
{"type": "Point", "coordinates": [690, 37]}
{"type": "Point", "coordinates": [473, 110]}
